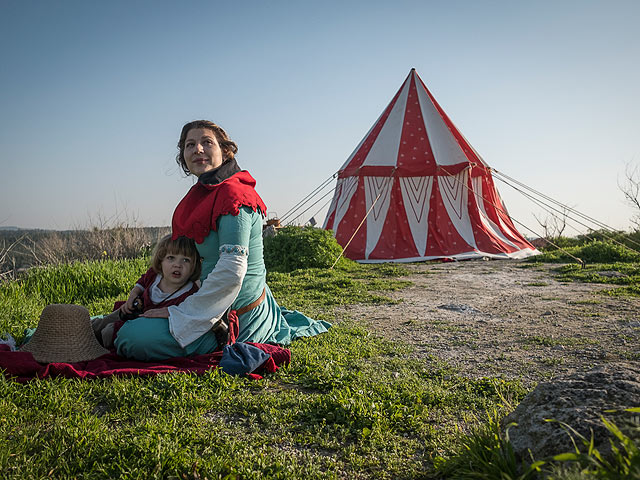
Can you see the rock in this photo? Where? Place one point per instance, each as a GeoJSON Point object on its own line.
{"type": "Point", "coordinates": [577, 400]}
{"type": "Point", "coordinates": [269, 231]}
{"type": "Point", "coordinates": [458, 308]}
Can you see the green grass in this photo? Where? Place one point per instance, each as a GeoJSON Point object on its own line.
{"type": "Point", "coordinates": [599, 257]}
{"type": "Point", "coordinates": [311, 420]}
{"type": "Point", "coordinates": [350, 405]}
{"type": "Point", "coordinates": [592, 252]}
{"type": "Point", "coordinates": [552, 342]}
{"type": "Point", "coordinates": [591, 301]}
{"type": "Point", "coordinates": [628, 285]}
{"type": "Point", "coordinates": [314, 290]}
{"type": "Point", "coordinates": [487, 454]}
{"type": "Point", "coordinates": [552, 362]}
{"type": "Point", "coordinates": [95, 284]}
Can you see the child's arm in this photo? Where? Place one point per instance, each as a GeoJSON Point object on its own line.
{"type": "Point", "coordinates": [136, 291]}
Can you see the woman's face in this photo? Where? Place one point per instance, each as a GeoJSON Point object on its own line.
{"type": "Point", "coordinates": [202, 152]}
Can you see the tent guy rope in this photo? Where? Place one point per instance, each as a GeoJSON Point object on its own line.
{"type": "Point", "coordinates": [499, 208]}
{"type": "Point", "coordinates": [354, 233]}
{"type": "Point", "coordinates": [604, 229]}
{"type": "Point", "coordinates": [308, 198]}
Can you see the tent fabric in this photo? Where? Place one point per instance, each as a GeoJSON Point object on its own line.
{"type": "Point", "coordinates": [415, 189]}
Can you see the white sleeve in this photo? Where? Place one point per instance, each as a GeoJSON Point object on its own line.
{"type": "Point", "coordinates": [195, 316]}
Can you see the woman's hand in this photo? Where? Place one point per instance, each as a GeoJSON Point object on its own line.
{"type": "Point", "coordinates": [157, 313]}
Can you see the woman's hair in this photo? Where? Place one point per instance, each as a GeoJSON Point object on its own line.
{"type": "Point", "coordinates": [180, 246]}
{"type": "Point", "coordinates": [228, 146]}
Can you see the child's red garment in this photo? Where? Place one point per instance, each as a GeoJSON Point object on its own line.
{"type": "Point", "coordinates": [146, 281]}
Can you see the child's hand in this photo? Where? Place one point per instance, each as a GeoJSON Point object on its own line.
{"type": "Point", "coordinates": [157, 313]}
{"type": "Point", "coordinates": [127, 307]}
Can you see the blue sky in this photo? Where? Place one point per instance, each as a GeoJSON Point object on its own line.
{"type": "Point", "coordinates": [93, 96]}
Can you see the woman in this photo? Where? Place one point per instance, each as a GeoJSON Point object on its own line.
{"type": "Point", "coordinates": [223, 213]}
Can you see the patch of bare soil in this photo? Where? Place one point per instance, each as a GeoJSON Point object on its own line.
{"type": "Point", "coordinates": [507, 319]}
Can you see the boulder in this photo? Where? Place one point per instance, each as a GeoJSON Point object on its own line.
{"type": "Point", "coordinates": [578, 400]}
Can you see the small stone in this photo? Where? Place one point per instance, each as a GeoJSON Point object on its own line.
{"type": "Point", "coordinates": [612, 274]}
{"type": "Point", "coordinates": [458, 308]}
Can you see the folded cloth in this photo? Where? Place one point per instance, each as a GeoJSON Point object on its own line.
{"type": "Point", "coordinates": [9, 341]}
{"type": "Point", "coordinates": [241, 358]}
{"type": "Point", "coordinates": [22, 367]}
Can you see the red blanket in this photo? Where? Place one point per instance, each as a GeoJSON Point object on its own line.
{"type": "Point", "coordinates": [22, 367]}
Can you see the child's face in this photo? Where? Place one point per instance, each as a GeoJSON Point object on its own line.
{"type": "Point", "coordinates": [176, 269]}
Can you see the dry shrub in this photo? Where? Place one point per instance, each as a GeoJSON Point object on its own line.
{"type": "Point", "coordinates": [96, 244]}
{"type": "Point", "coordinates": [55, 247]}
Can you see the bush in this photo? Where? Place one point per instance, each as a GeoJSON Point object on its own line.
{"type": "Point", "coordinates": [300, 247]}
{"type": "Point", "coordinates": [629, 239]}
{"type": "Point", "coordinates": [562, 242]}
{"type": "Point", "coordinates": [606, 252]}
{"type": "Point", "coordinates": [593, 252]}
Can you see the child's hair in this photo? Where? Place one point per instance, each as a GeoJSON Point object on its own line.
{"type": "Point", "coordinates": [180, 246]}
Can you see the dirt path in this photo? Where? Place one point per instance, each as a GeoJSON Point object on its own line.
{"type": "Point", "coordinates": [502, 319]}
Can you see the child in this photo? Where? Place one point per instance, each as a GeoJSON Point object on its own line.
{"type": "Point", "coordinates": [175, 269]}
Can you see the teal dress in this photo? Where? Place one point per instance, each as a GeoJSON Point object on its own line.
{"type": "Point", "coordinates": [155, 339]}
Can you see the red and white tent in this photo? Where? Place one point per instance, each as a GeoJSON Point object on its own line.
{"type": "Point", "coordinates": [414, 189]}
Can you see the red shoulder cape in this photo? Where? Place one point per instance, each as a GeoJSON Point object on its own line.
{"type": "Point", "coordinates": [196, 214]}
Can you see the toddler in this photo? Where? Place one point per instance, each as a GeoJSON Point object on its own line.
{"type": "Point", "coordinates": [173, 276]}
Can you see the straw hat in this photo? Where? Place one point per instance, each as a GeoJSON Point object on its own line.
{"type": "Point", "coordinates": [64, 335]}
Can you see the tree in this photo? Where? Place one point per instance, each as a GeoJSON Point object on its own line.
{"type": "Point", "coordinates": [630, 188]}
{"type": "Point", "coordinates": [553, 224]}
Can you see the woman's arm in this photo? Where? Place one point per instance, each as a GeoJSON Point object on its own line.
{"type": "Point", "coordinates": [195, 316]}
